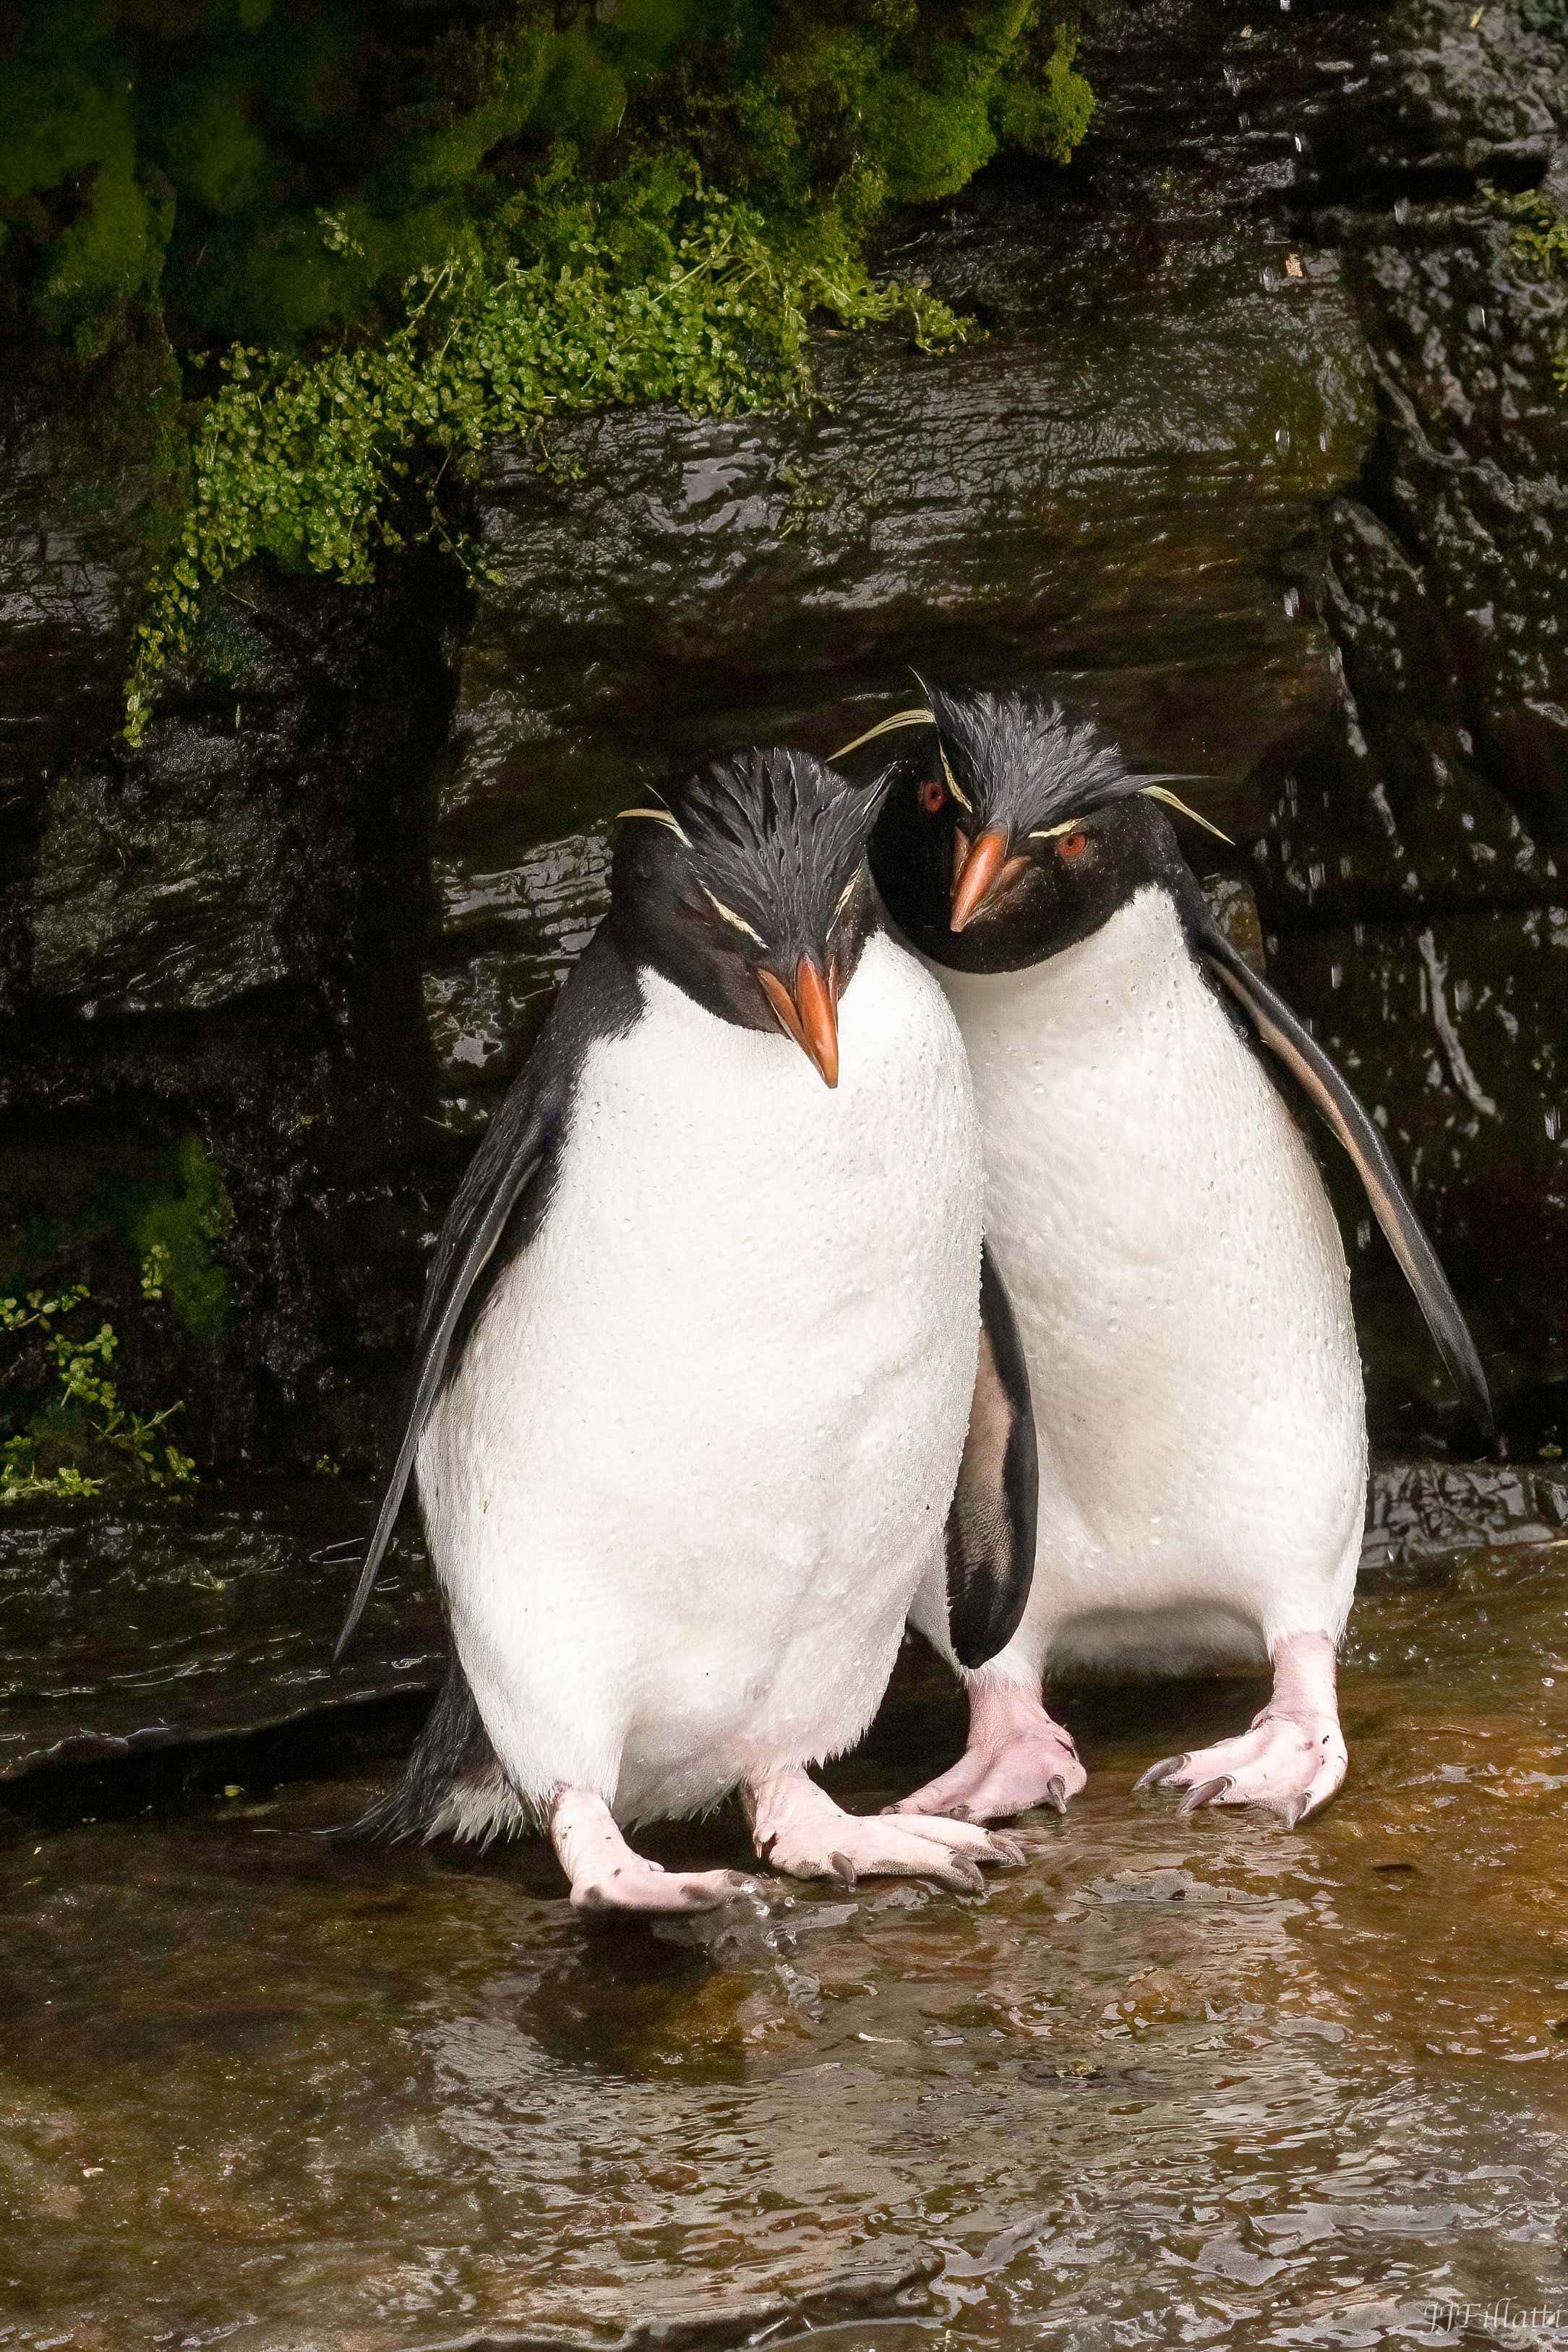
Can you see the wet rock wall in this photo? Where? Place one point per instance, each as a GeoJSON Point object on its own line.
{"type": "Point", "coordinates": [209, 1026]}
{"type": "Point", "coordinates": [1258, 458]}
{"type": "Point", "coordinates": [1412, 867]}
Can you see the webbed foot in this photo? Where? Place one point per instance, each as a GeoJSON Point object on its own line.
{"type": "Point", "coordinates": [1017, 1757]}
{"type": "Point", "coordinates": [1291, 1759]}
{"type": "Point", "coordinates": [639, 1888]}
{"type": "Point", "coordinates": [801, 1831]}
{"type": "Point", "coordinates": [609, 1880]}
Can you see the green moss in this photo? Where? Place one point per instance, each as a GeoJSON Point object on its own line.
{"type": "Point", "coordinates": [178, 1231]}
{"type": "Point", "coordinates": [1541, 238]}
{"type": "Point", "coordinates": [1048, 112]}
{"type": "Point", "coordinates": [373, 237]}
{"type": "Point", "coordinates": [186, 154]}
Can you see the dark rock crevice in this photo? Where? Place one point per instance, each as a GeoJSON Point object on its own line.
{"type": "Point", "coordinates": [214, 941]}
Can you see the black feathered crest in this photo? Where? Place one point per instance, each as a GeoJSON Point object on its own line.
{"type": "Point", "coordinates": [775, 838]}
{"type": "Point", "coordinates": [1025, 764]}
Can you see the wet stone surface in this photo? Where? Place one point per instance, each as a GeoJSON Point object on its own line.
{"type": "Point", "coordinates": [1172, 2081]}
{"type": "Point", "coordinates": [1411, 870]}
{"type": "Point", "coordinates": [213, 1616]}
{"type": "Point", "coordinates": [125, 1634]}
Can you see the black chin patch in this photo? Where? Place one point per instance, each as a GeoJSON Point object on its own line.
{"type": "Point", "coordinates": [1061, 899]}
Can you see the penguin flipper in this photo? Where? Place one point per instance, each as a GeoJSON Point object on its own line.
{"type": "Point", "coordinates": [991, 1519]}
{"type": "Point", "coordinates": [517, 1150]}
{"type": "Point", "coordinates": [1288, 1038]}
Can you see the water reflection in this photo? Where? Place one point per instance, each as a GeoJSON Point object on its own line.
{"type": "Point", "coordinates": [1177, 2082]}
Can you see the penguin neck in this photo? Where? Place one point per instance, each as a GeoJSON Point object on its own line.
{"type": "Point", "coordinates": [1141, 947]}
{"type": "Point", "coordinates": [731, 994]}
{"type": "Point", "coordinates": [711, 1032]}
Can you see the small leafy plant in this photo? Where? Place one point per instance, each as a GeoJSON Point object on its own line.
{"type": "Point", "coordinates": [83, 1427]}
{"type": "Point", "coordinates": [359, 241]}
{"type": "Point", "coordinates": [370, 239]}
{"type": "Point", "coordinates": [299, 460]}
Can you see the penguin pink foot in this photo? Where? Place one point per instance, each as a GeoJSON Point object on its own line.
{"type": "Point", "coordinates": [609, 1879]}
{"type": "Point", "coordinates": [797, 1829]}
{"type": "Point", "coordinates": [1290, 1761]}
{"type": "Point", "coordinates": [1017, 1757]}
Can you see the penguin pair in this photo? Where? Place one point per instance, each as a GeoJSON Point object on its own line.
{"type": "Point", "coordinates": [1175, 1266]}
{"type": "Point", "coordinates": [695, 1414]}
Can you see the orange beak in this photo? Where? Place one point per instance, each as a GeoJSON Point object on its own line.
{"type": "Point", "coordinates": [979, 873]}
{"type": "Point", "coordinates": [809, 1016]}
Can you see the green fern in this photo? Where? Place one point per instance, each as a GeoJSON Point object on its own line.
{"type": "Point", "coordinates": [83, 1419]}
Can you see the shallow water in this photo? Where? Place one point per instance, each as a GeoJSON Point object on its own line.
{"type": "Point", "coordinates": [1174, 2082]}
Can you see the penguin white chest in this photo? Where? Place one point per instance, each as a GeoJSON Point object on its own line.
{"type": "Point", "coordinates": [686, 1480]}
{"type": "Point", "coordinates": [1181, 1287]}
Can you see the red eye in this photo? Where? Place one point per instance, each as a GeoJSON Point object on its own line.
{"type": "Point", "coordinates": [1073, 845]}
{"type": "Point", "coordinates": [932, 796]}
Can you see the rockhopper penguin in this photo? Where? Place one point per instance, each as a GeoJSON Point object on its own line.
{"type": "Point", "coordinates": [696, 1369]}
{"type": "Point", "coordinates": [1174, 1264]}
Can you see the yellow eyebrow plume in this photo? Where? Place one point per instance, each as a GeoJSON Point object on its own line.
{"type": "Point", "coordinates": [658, 816]}
{"type": "Point", "coordinates": [1152, 793]}
{"type": "Point", "coordinates": [952, 780]}
{"type": "Point", "coordinates": [904, 718]}
{"type": "Point", "coordinates": [1158, 792]}
{"type": "Point", "coordinates": [885, 727]}
{"type": "Point", "coordinates": [729, 915]}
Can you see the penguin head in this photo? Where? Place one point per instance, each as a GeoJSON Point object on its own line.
{"type": "Point", "coordinates": [1018, 832]}
{"type": "Point", "coordinates": [751, 891]}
